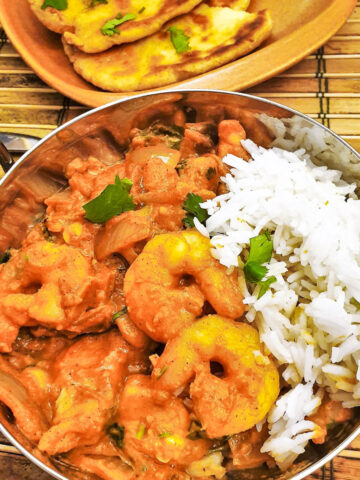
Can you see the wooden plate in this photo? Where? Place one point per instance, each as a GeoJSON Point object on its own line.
{"type": "Point", "coordinates": [300, 27]}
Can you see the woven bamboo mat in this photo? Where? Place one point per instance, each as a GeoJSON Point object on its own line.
{"type": "Point", "coordinates": [325, 86]}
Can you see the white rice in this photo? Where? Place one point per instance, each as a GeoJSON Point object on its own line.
{"type": "Point", "coordinates": [308, 319]}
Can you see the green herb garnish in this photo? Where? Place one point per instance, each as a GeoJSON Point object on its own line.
{"type": "Point", "coordinates": [181, 165]}
{"type": "Point", "coordinates": [116, 433]}
{"type": "Point", "coordinates": [220, 444]}
{"type": "Point", "coordinates": [115, 199]}
{"type": "Point", "coordinates": [174, 134]}
{"type": "Point", "coordinates": [261, 248]}
{"type": "Point", "coordinates": [162, 371]}
{"type": "Point", "coordinates": [120, 313]}
{"type": "Point", "coordinates": [5, 257]}
{"type": "Point", "coordinates": [141, 431]}
{"type": "Point", "coordinates": [265, 285]}
{"type": "Point", "coordinates": [58, 4]}
{"type": "Point", "coordinates": [210, 173]}
{"type": "Point", "coordinates": [179, 39]}
{"type": "Point", "coordinates": [45, 231]}
{"type": "Point", "coordinates": [196, 435]}
{"type": "Point", "coordinates": [109, 28]}
{"type": "Point", "coordinates": [93, 3]}
{"type": "Point", "coordinates": [164, 434]}
{"type": "Point", "coordinates": [192, 206]}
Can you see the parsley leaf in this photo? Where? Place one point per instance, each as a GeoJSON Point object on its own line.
{"type": "Point", "coordinates": [109, 28]}
{"type": "Point", "coordinates": [119, 314]}
{"type": "Point", "coordinates": [261, 248]}
{"type": "Point", "coordinates": [141, 431]}
{"type": "Point", "coordinates": [265, 285]}
{"type": "Point", "coordinates": [5, 257]}
{"type": "Point", "coordinates": [93, 3]}
{"type": "Point", "coordinates": [192, 206]}
{"type": "Point", "coordinates": [58, 4]}
{"type": "Point", "coordinates": [210, 173]}
{"type": "Point", "coordinates": [115, 199]}
{"type": "Point", "coordinates": [254, 272]}
{"type": "Point", "coordinates": [179, 39]}
{"type": "Point", "coordinates": [162, 371]}
{"type": "Point", "coordinates": [116, 433]}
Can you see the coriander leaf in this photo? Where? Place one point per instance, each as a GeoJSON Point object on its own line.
{"type": "Point", "coordinates": [173, 134]}
{"type": "Point", "coordinates": [93, 3]}
{"type": "Point", "coordinates": [162, 371]}
{"type": "Point", "coordinates": [254, 272]}
{"type": "Point", "coordinates": [115, 199]}
{"type": "Point", "coordinates": [5, 257]}
{"type": "Point", "coordinates": [265, 285]}
{"type": "Point", "coordinates": [109, 28]}
{"type": "Point", "coordinates": [58, 4]}
{"type": "Point", "coordinates": [165, 435]}
{"type": "Point", "coordinates": [210, 173]}
{"type": "Point", "coordinates": [196, 435]}
{"type": "Point", "coordinates": [141, 431]}
{"type": "Point", "coordinates": [179, 39]}
{"type": "Point", "coordinates": [120, 313]}
{"type": "Point", "coordinates": [116, 433]}
{"type": "Point", "coordinates": [261, 248]}
{"type": "Point", "coordinates": [192, 206]}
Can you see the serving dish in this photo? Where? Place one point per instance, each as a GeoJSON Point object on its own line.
{"type": "Point", "coordinates": [299, 28]}
{"type": "Point", "coordinates": [45, 163]}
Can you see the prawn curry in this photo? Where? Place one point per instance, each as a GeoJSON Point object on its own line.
{"type": "Point", "coordinates": [124, 351]}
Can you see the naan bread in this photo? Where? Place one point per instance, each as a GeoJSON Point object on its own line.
{"type": "Point", "coordinates": [217, 35]}
{"type": "Point", "coordinates": [82, 23]}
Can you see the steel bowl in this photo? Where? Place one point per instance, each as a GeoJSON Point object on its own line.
{"type": "Point", "coordinates": [39, 173]}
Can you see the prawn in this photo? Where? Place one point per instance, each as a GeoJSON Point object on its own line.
{"type": "Point", "coordinates": [231, 133]}
{"type": "Point", "coordinates": [160, 295]}
{"type": "Point", "coordinates": [55, 286]}
{"type": "Point", "coordinates": [156, 424]}
{"type": "Point", "coordinates": [249, 385]}
{"type": "Point", "coordinates": [87, 378]}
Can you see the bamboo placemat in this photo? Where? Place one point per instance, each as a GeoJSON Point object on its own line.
{"type": "Point", "coordinates": [325, 86]}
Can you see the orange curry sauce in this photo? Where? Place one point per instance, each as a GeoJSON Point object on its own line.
{"type": "Point", "coordinates": [79, 374]}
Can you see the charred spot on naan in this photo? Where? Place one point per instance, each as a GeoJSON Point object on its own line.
{"type": "Point", "coordinates": [216, 36]}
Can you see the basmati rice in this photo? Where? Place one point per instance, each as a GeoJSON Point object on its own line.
{"type": "Point", "coordinates": [308, 319]}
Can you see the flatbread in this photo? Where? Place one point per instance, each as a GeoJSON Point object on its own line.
{"type": "Point", "coordinates": [82, 23]}
{"type": "Point", "coordinates": [217, 35]}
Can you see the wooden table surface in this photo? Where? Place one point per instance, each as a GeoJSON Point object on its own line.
{"type": "Point", "coordinates": [325, 86]}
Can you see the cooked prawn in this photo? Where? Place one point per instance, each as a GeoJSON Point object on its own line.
{"type": "Point", "coordinates": [248, 388]}
{"type": "Point", "coordinates": [156, 424]}
{"type": "Point", "coordinates": [87, 379]}
{"type": "Point", "coordinates": [161, 301]}
{"type": "Point", "coordinates": [55, 286]}
{"type": "Point", "coordinates": [231, 133]}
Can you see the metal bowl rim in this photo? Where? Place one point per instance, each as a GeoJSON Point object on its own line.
{"type": "Point", "coordinates": [329, 456]}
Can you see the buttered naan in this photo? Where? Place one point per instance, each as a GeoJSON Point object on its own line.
{"type": "Point", "coordinates": [96, 25]}
{"type": "Point", "coordinates": [197, 42]}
